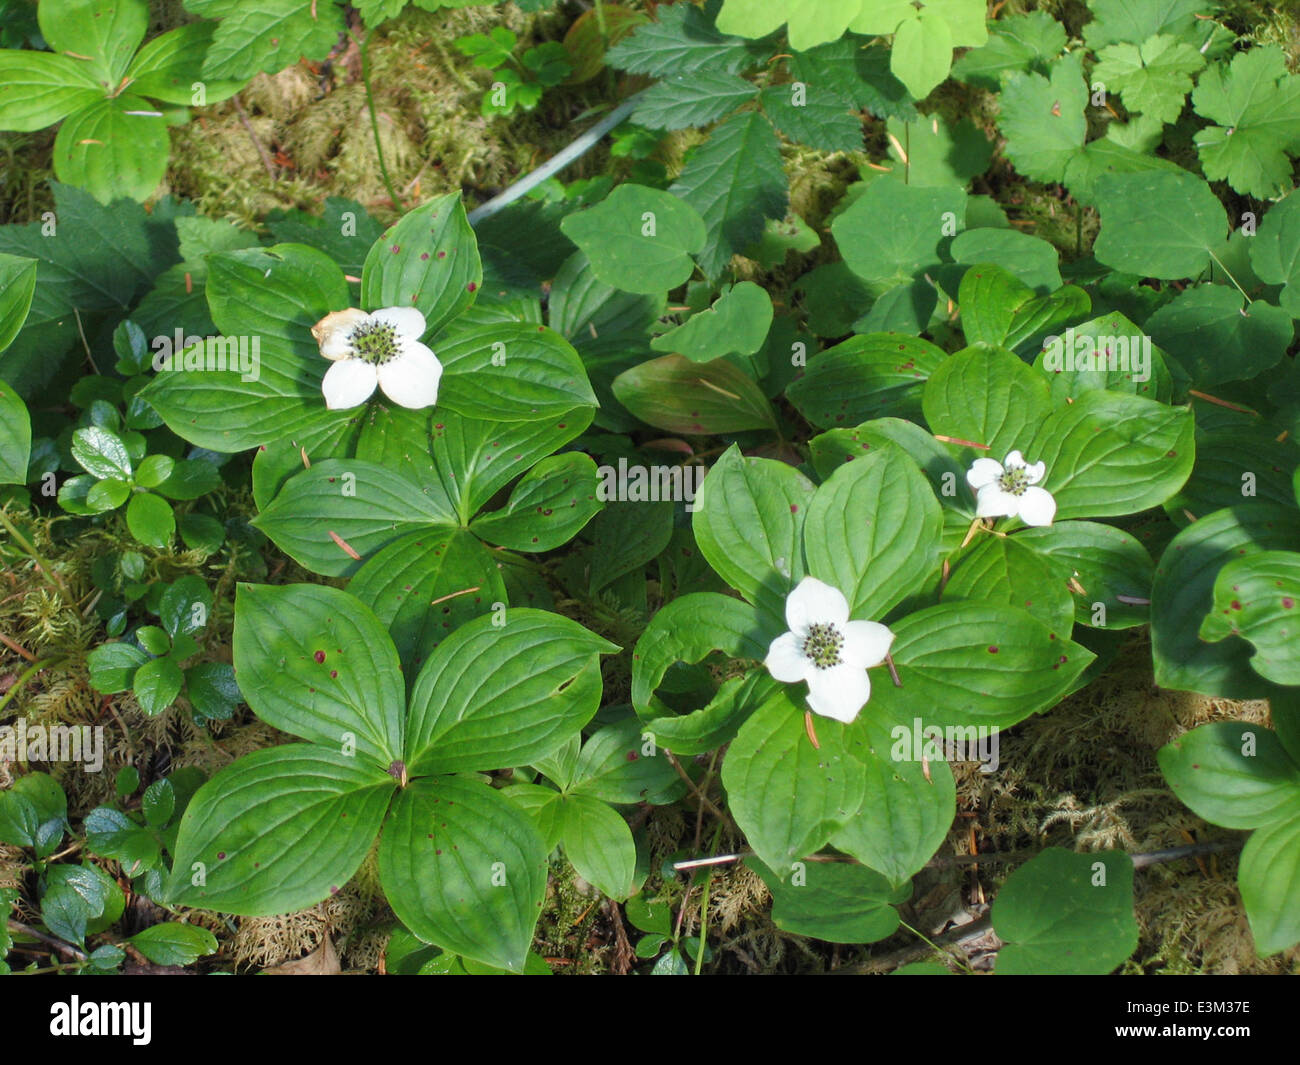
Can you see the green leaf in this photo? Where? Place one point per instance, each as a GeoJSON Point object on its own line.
{"type": "Point", "coordinates": [464, 868]}
{"type": "Point", "coordinates": [495, 695]}
{"type": "Point", "coordinates": [115, 147]}
{"type": "Point", "coordinates": [112, 665]}
{"type": "Point", "coordinates": [1019, 43]}
{"type": "Point", "coordinates": [682, 40]}
{"type": "Point", "coordinates": [1255, 598]}
{"type": "Point", "coordinates": [988, 396]}
{"type": "Point", "coordinates": [15, 437]}
{"type": "Point", "coordinates": [865, 377]}
{"type": "Point", "coordinates": [697, 399]}
{"type": "Point", "coordinates": [1274, 252]}
{"type": "Point", "coordinates": [365, 504]}
{"type": "Point", "coordinates": [17, 285]}
{"type": "Point", "coordinates": [1137, 20]}
{"type": "Point", "coordinates": [1001, 570]}
{"type": "Point", "coordinates": [274, 295]}
{"type": "Point", "coordinates": [1153, 78]}
{"type": "Point", "coordinates": [892, 231]}
{"type": "Point", "coordinates": [402, 581]}
{"type": "Point", "coordinates": [735, 181]}
{"type": "Point", "coordinates": [748, 522]}
{"type": "Point", "coordinates": [922, 52]}
{"type": "Point", "coordinates": [1111, 566]}
{"type": "Point", "coordinates": [873, 531]}
{"type": "Point", "coordinates": [156, 684]}
{"type": "Point", "coordinates": [736, 324]}
{"type": "Point", "coordinates": [101, 453]}
{"type": "Point", "coordinates": [599, 844]}
{"type": "Point", "coordinates": [1233, 774]}
{"type": "Point", "coordinates": [1000, 309]}
{"type": "Point", "coordinates": [278, 831]}
{"type": "Point", "coordinates": [694, 99]}
{"type": "Point", "coordinates": [1029, 258]}
{"type": "Point", "coordinates": [212, 691]}
{"type": "Point", "coordinates": [150, 519]}
{"type": "Point", "coordinates": [1111, 453]}
{"type": "Point", "coordinates": [165, 68]}
{"type": "Point", "coordinates": [1182, 595]}
{"type": "Point", "coordinates": [268, 36]}
{"type": "Point", "coordinates": [1216, 337]}
{"type": "Point", "coordinates": [1043, 118]}
{"type": "Point", "coordinates": [1108, 353]}
{"type": "Point", "coordinates": [547, 508]}
{"type": "Point", "coordinates": [101, 33]}
{"type": "Point", "coordinates": [687, 629]}
{"type": "Point", "coordinates": [1269, 878]}
{"type": "Point", "coordinates": [37, 89]}
{"type": "Point", "coordinates": [908, 808]}
{"type": "Point", "coordinates": [1066, 914]}
{"type": "Point", "coordinates": [173, 943]}
{"type": "Point", "coordinates": [833, 901]}
{"type": "Point", "coordinates": [846, 69]}
{"type": "Point", "coordinates": [975, 662]}
{"type": "Point", "coordinates": [786, 795]}
{"type": "Point", "coordinates": [1256, 104]}
{"type": "Point", "coordinates": [159, 802]}
{"type": "Point", "coordinates": [1158, 224]}
{"type": "Point", "coordinates": [429, 260]}
{"type": "Point", "coordinates": [638, 239]}
{"type": "Point", "coordinates": [613, 767]}
{"type": "Point", "coordinates": [316, 663]}
{"type": "Point", "coordinates": [818, 117]}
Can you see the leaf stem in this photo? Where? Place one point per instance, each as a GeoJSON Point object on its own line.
{"type": "Point", "coordinates": [27, 674]}
{"type": "Point", "coordinates": [1228, 273]}
{"type": "Point", "coordinates": [364, 46]}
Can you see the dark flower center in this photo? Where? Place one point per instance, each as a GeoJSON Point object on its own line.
{"type": "Point", "coordinates": [1014, 480]}
{"type": "Point", "coordinates": [375, 342]}
{"type": "Point", "coordinates": [822, 646]}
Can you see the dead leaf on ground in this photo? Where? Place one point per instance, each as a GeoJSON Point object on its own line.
{"type": "Point", "coordinates": [320, 962]}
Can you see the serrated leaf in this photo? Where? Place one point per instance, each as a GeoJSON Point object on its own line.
{"type": "Point", "coordinates": [1160, 224]}
{"type": "Point", "coordinates": [1043, 119]}
{"type": "Point", "coordinates": [268, 36]}
{"type": "Point", "coordinates": [694, 99]}
{"type": "Point", "coordinates": [735, 181]}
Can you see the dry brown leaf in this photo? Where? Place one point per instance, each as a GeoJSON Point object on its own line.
{"type": "Point", "coordinates": [320, 962]}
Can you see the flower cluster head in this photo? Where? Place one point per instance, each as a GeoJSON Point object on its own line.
{"type": "Point", "coordinates": [377, 348]}
{"type": "Point", "coordinates": [1011, 490]}
{"type": "Point", "coordinates": [827, 650]}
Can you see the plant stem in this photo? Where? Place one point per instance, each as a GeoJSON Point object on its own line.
{"type": "Point", "coordinates": [933, 946]}
{"type": "Point", "coordinates": [580, 146]}
{"type": "Point", "coordinates": [44, 566]}
{"type": "Point", "coordinates": [26, 675]}
{"type": "Point", "coordinates": [704, 908]}
{"type": "Point", "coordinates": [1228, 274]}
{"type": "Point", "coordinates": [364, 46]}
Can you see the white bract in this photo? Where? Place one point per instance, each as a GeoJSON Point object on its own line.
{"type": "Point", "coordinates": [1011, 490]}
{"type": "Point", "coordinates": [378, 348]}
{"type": "Point", "coordinates": [827, 650]}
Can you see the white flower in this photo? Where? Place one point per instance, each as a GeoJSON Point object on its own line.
{"type": "Point", "coordinates": [380, 348]}
{"type": "Point", "coordinates": [1010, 491]}
{"type": "Point", "coordinates": [827, 650]}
